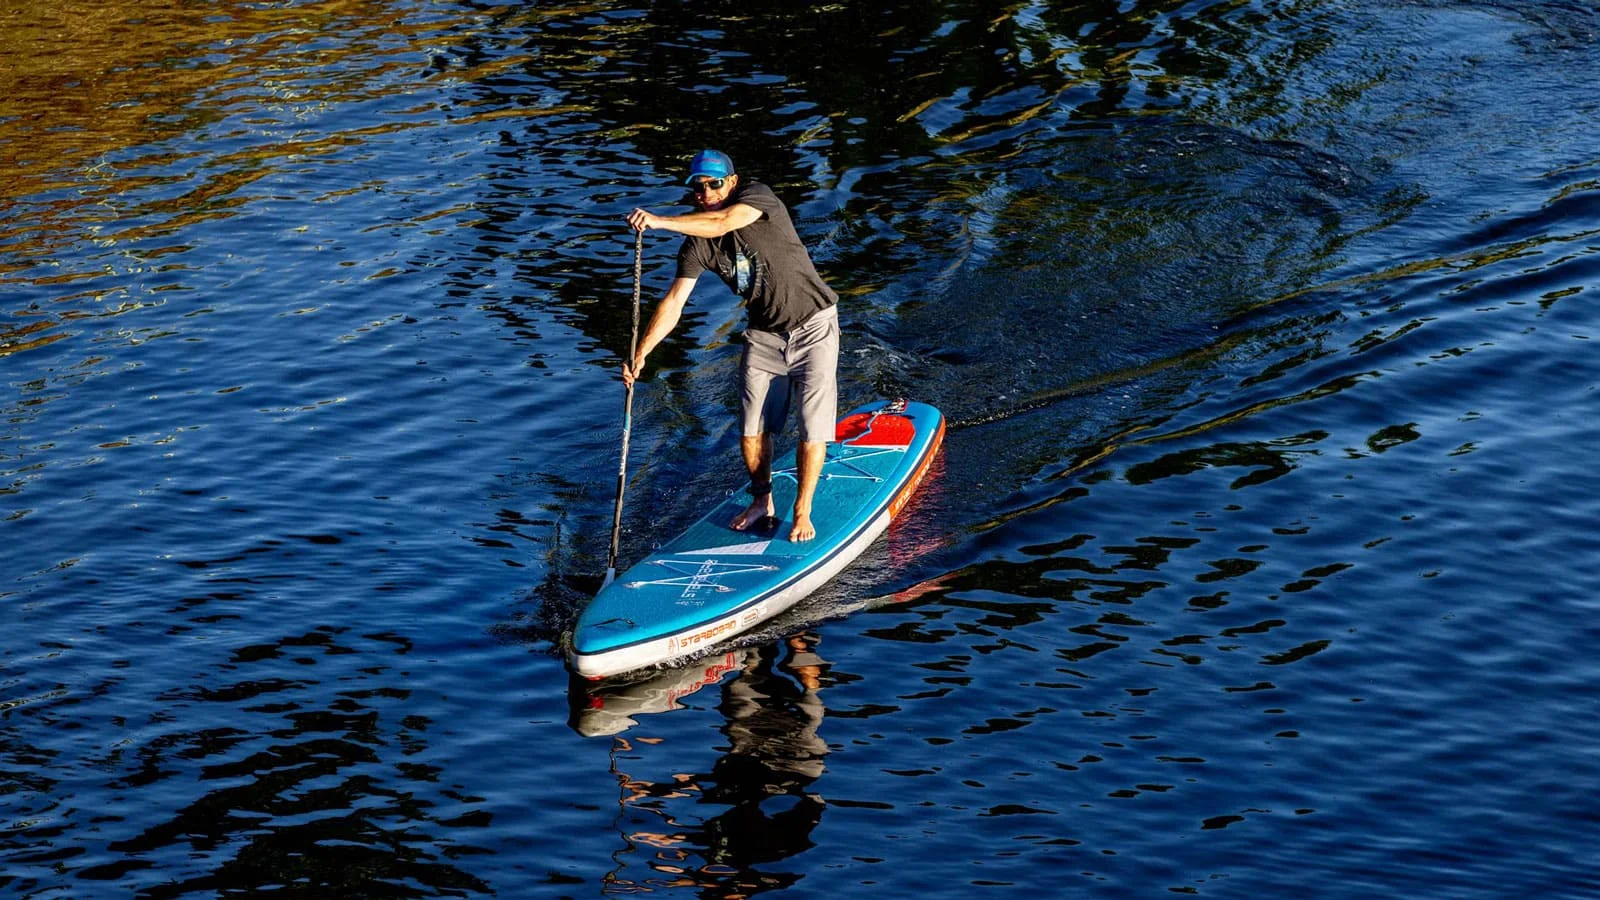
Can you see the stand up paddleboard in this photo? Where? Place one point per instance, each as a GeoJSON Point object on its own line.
{"type": "Point", "coordinates": [713, 582]}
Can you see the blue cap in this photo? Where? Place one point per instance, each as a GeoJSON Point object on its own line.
{"type": "Point", "coordinates": [709, 164]}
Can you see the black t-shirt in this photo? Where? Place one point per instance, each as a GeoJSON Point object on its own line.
{"type": "Point", "coordinates": [779, 284]}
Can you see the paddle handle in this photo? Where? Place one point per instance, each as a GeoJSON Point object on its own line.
{"type": "Point", "coordinates": [627, 412]}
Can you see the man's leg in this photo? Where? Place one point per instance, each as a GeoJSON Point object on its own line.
{"type": "Point", "coordinates": [814, 365]}
{"type": "Point", "coordinates": [809, 459]}
{"type": "Point", "coordinates": [757, 453]}
{"type": "Point", "coordinates": [764, 404]}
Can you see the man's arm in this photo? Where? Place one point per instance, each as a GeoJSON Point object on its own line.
{"type": "Point", "coordinates": [662, 321]}
{"type": "Point", "coordinates": [707, 223]}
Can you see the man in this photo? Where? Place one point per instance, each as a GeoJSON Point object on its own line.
{"type": "Point", "coordinates": [742, 232]}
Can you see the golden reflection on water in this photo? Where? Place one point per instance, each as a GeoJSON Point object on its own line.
{"type": "Point", "coordinates": [126, 128]}
{"type": "Point", "coordinates": [88, 78]}
{"type": "Point", "coordinates": [89, 82]}
{"type": "Point", "coordinates": [88, 85]}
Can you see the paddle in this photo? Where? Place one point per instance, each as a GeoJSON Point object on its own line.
{"type": "Point", "coordinates": [627, 414]}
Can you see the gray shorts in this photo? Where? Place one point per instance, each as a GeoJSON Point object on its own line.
{"type": "Point", "coordinates": [799, 366]}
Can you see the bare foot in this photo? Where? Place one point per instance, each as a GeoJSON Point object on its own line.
{"type": "Point", "coordinates": [754, 513]}
{"type": "Point", "coordinates": [803, 530]}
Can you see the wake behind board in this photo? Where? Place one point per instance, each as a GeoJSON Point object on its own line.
{"type": "Point", "coordinates": [713, 582]}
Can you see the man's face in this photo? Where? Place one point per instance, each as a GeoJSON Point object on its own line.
{"type": "Point", "coordinates": [711, 193]}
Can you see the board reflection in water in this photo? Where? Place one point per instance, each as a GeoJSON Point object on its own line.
{"type": "Point", "coordinates": [755, 807]}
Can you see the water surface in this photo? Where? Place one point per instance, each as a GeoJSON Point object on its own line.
{"type": "Point", "coordinates": [1257, 559]}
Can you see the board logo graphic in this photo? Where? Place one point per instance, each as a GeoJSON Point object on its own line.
{"type": "Point", "coordinates": [701, 578]}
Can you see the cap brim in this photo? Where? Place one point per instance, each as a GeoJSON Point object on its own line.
{"type": "Point", "coordinates": [694, 175]}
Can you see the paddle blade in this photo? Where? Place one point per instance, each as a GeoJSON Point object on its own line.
{"type": "Point", "coordinates": [611, 575]}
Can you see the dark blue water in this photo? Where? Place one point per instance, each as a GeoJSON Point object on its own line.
{"type": "Point", "coordinates": [1260, 557]}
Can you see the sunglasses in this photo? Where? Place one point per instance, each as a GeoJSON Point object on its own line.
{"type": "Point", "coordinates": [710, 184]}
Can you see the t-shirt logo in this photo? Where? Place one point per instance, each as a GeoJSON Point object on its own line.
{"type": "Point", "coordinates": [741, 273]}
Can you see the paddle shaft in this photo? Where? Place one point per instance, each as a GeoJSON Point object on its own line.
{"type": "Point", "coordinates": [627, 411]}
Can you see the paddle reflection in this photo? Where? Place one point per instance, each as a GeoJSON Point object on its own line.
{"type": "Point", "coordinates": [762, 780]}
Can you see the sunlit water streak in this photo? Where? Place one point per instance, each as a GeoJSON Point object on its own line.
{"type": "Point", "coordinates": [1257, 559]}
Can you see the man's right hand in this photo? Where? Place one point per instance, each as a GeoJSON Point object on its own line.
{"type": "Point", "coordinates": [641, 220]}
